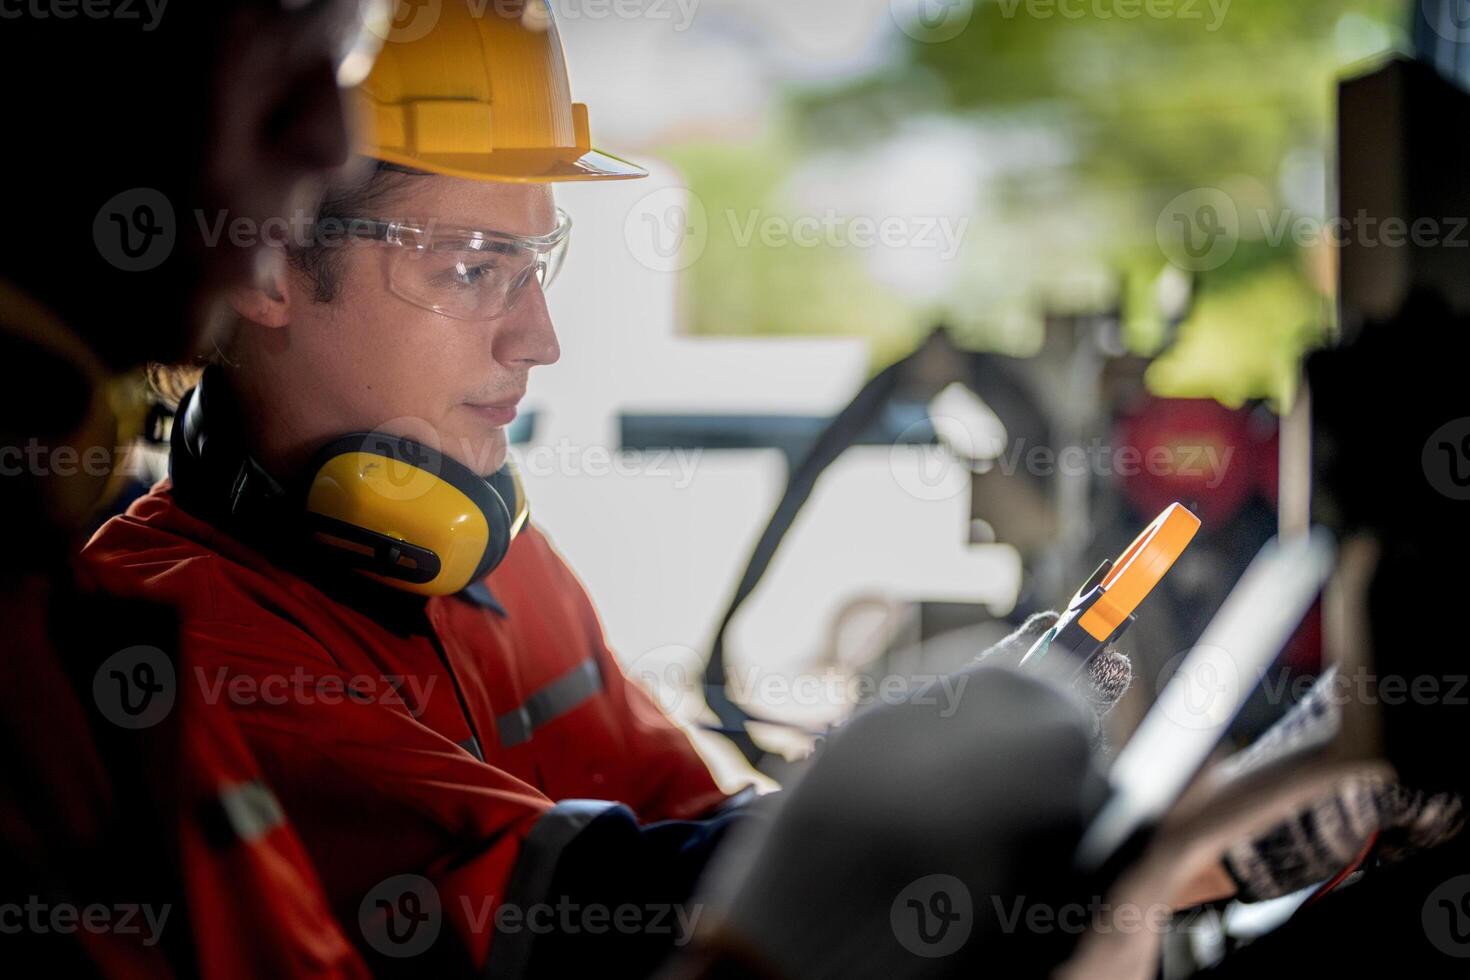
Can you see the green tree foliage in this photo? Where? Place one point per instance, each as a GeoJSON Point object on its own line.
{"type": "Point", "coordinates": [1089, 117]}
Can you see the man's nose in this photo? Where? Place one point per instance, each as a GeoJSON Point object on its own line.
{"type": "Point", "coordinates": [527, 337]}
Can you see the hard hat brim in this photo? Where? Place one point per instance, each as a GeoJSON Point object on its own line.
{"type": "Point", "coordinates": [521, 166]}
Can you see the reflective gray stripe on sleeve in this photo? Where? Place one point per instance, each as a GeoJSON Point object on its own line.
{"type": "Point", "coordinates": [251, 810]}
{"type": "Point", "coordinates": [553, 700]}
{"type": "Point", "coordinates": [510, 952]}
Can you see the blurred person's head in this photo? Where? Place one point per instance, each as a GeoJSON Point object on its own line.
{"type": "Point", "coordinates": [150, 144]}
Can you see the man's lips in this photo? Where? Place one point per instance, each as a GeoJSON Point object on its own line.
{"type": "Point", "coordinates": [496, 413]}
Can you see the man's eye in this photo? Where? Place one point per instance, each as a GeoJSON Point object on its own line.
{"type": "Point", "coordinates": [462, 274]}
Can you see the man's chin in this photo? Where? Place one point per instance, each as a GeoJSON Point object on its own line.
{"type": "Point", "coordinates": [485, 454]}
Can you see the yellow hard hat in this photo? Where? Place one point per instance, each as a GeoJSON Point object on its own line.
{"type": "Point", "coordinates": [480, 91]}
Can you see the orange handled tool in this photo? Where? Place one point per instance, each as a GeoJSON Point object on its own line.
{"type": "Point", "coordinates": [1103, 608]}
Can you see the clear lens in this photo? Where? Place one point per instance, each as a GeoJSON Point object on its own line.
{"type": "Point", "coordinates": [473, 275]}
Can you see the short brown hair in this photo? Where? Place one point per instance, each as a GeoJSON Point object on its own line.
{"type": "Point", "coordinates": [343, 199]}
{"type": "Point", "coordinates": [341, 203]}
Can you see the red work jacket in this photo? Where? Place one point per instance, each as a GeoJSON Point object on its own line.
{"type": "Point", "coordinates": [401, 751]}
{"type": "Point", "coordinates": [183, 845]}
{"type": "Point", "coordinates": [134, 843]}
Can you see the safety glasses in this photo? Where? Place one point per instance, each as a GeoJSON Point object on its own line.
{"type": "Point", "coordinates": [465, 273]}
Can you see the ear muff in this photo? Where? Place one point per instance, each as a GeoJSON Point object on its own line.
{"type": "Point", "coordinates": [408, 516]}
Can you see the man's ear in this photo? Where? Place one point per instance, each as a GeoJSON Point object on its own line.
{"type": "Point", "coordinates": [267, 301]}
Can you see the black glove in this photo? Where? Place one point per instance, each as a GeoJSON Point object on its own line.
{"type": "Point", "coordinates": [1102, 685]}
{"type": "Point", "coordinates": [916, 842]}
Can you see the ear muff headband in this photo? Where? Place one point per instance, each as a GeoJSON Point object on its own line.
{"type": "Point", "coordinates": [506, 482]}
{"type": "Point", "coordinates": [408, 516]}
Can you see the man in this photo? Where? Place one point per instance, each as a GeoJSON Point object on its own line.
{"type": "Point", "coordinates": [418, 713]}
{"type": "Point", "coordinates": [131, 849]}
{"type": "Point", "coordinates": [423, 679]}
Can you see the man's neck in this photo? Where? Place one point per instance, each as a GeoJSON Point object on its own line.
{"type": "Point", "coordinates": [274, 436]}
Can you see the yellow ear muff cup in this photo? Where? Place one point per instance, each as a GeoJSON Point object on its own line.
{"type": "Point", "coordinates": [406, 515]}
